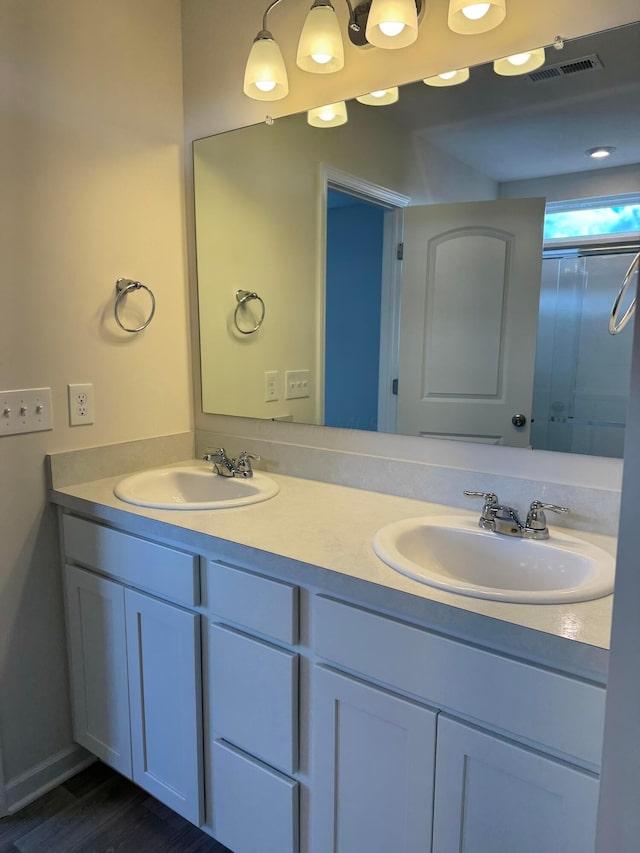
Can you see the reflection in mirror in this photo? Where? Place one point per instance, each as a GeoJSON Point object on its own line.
{"type": "Point", "coordinates": [408, 278]}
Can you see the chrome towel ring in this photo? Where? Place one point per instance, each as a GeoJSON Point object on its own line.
{"type": "Point", "coordinates": [617, 325]}
{"type": "Point", "coordinates": [124, 286]}
{"type": "Point", "coordinates": [242, 297]}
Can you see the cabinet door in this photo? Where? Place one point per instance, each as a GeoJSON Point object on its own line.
{"type": "Point", "coordinates": [98, 660]}
{"type": "Point", "coordinates": [373, 764]}
{"type": "Point", "coordinates": [163, 645]}
{"type": "Point", "coordinates": [493, 796]}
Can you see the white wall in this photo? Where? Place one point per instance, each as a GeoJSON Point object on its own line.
{"type": "Point", "coordinates": [446, 179]}
{"type": "Point", "coordinates": [616, 180]}
{"type": "Point", "coordinates": [91, 170]}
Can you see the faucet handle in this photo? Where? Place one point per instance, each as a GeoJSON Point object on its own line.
{"type": "Point", "coordinates": [536, 524]}
{"type": "Point", "coordinates": [490, 508]}
{"type": "Point", "coordinates": [243, 463]}
{"type": "Point", "coordinates": [490, 499]}
{"type": "Point", "coordinates": [216, 454]}
{"type": "Point", "coordinates": [536, 506]}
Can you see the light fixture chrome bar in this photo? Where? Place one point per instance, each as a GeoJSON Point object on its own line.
{"type": "Point", "coordinates": [264, 17]}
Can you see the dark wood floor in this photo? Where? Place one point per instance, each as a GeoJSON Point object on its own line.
{"type": "Point", "coordinates": [100, 811]}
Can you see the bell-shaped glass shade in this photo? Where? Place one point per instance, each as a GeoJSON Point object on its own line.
{"type": "Point", "coordinates": [469, 17]}
{"type": "Point", "coordinates": [331, 115]}
{"type": "Point", "coordinates": [448, 78]}
{"type": "Point", "coordinates": [392, 23]}
{"type": "Point", "coordinates": [519, 63]}
{"type": "Point", "coordinates": [380, 98]}
{"type": "Point", "coordinates": [265, 77]}
{"type": "Point", "coordinates": [320, 49]}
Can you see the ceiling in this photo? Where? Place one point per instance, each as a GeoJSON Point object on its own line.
{"type": "Point", "coordinates": [511, 128]}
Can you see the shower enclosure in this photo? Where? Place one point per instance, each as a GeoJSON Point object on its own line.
{"type": "Point", "coordinates": [582, 372]}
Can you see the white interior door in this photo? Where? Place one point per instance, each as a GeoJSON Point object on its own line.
{"type": "Point", "coordinates": [470, 293]}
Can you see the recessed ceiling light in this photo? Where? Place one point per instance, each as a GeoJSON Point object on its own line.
{"type": "Point", "coordinates": [600, 152]}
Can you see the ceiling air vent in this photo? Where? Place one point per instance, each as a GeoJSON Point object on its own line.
{"type": "Point", "coordinates": [565, 69]}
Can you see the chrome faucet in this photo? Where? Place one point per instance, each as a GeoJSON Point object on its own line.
{"type": "Point", "coordinates": [225, 466]}
{"type": "Point", "coordinates": [499, 518]}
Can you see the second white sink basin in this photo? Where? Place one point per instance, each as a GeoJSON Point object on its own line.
{"type": "Point", "coordinates": [193, 487]}
{"type": "Point", "coordinates": [453, 553]}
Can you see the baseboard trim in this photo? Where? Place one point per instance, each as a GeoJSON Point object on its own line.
{"type": "Point", "coordinates": [42, 777]}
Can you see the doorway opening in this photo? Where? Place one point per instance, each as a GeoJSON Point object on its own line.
{"type": "Point", "coordinates": [360, 302]}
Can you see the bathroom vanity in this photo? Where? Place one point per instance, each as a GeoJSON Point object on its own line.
{"type": "Point", "coordinates": [263, 673]}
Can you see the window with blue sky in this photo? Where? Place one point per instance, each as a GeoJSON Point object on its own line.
{"type": "Point", "coordinates": [590, 222]}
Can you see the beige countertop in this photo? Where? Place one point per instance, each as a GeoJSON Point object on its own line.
{"type": "Point", "coordinates": [320, 534]}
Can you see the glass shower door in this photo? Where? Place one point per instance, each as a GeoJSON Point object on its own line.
{"type": "Point", "coordinates": [582, 372]}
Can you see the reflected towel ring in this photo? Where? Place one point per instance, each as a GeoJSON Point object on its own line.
{"type": "Point", "coordinates": [242, 297]}
{"type": "Point", "coordinates": [124, 286]}
{"type": "Point", "coordinates": [617, 325]}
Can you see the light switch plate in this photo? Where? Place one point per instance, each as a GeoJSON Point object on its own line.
{"type": "Point", "coordinates": [25, 410]}
{"type": "Point", "coordinates": [298, 384]}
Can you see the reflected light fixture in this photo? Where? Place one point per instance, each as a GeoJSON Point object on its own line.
{"type": "Point", "coordinates": [601, 152]}
{"type": "Point", "coordinates": [330, 115]}
{"type": "Point", "coordinates": [469, 18]}
{"type": "Point", "coordinates": [383, 23]}
{"type": "Point", "coordinates": [448, 78]}
{"type": "Point", "coordinates": [519, 63]}
{"type": "Point", "coordinates": [380, 98]}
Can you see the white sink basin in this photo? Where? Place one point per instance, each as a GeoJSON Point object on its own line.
{"type": "Point", "coordinates": [193, 487]}
{"type": "Point", "coordinates": [453, 553]}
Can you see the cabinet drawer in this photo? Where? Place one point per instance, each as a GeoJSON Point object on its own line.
{"type": "Point", "coordinates": [146, 565]}
{"type": "Point", "coordinates": [561, 713]}
{"type": "Point", "coordinates": [255, 809]}
{"type": "Point", "coordinates": [261, 604]}
{"type": "Point", "coordinates": [254, 696]}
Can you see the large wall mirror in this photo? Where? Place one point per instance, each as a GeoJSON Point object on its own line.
{"type": "Point", "coordinates": [404, 271]}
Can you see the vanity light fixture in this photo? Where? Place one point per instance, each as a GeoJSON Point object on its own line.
{"type": "Point", "coordinates": [392, 23]}
{"type": "Point", "coordinates": [519, 63]}
{"type": "Point", "coordinates": [265, 76]}
{"type": "Point", "coordinates": [320, 49]}
{"type": "Point", "coordinates": [330, 115]}
{"type": "Point", "coordinates": [601, 152]}
{"type": "Point", "coordinates": [380, 98]}
{"type": "Point", "coordinates": [384, 23]}
{"type": "Point", "coordinates": [469, 18]}
{"type": "Point", "coordinates": [448, 78]}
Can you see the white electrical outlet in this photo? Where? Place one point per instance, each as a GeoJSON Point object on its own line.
{"type": "Point", "coordinates": [271, 382]}
{"type": "Point", "coordinates": [298, 384]}
{"type": "Point", "coordinates": [80, 404]}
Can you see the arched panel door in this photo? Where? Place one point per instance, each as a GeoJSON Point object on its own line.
{"type": "Point", "coordinates": [470, 293]}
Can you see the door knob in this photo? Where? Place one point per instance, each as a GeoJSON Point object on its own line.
{"type": "Point", "coordinates": [519, 420]}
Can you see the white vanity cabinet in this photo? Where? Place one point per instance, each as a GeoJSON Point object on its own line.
{"type": "Point", "coordinates": [374, 757]}
{"type": "Point", "coordinates": [185, 677]}
{"type": "Point", "coordinates": [495, 796]}
{"type": "Point", "coordinates": [514, 747]}
{"type": "Point", "coordinates": [252, 676]}
{"type": "Point", "coordinates": [135, 662]}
